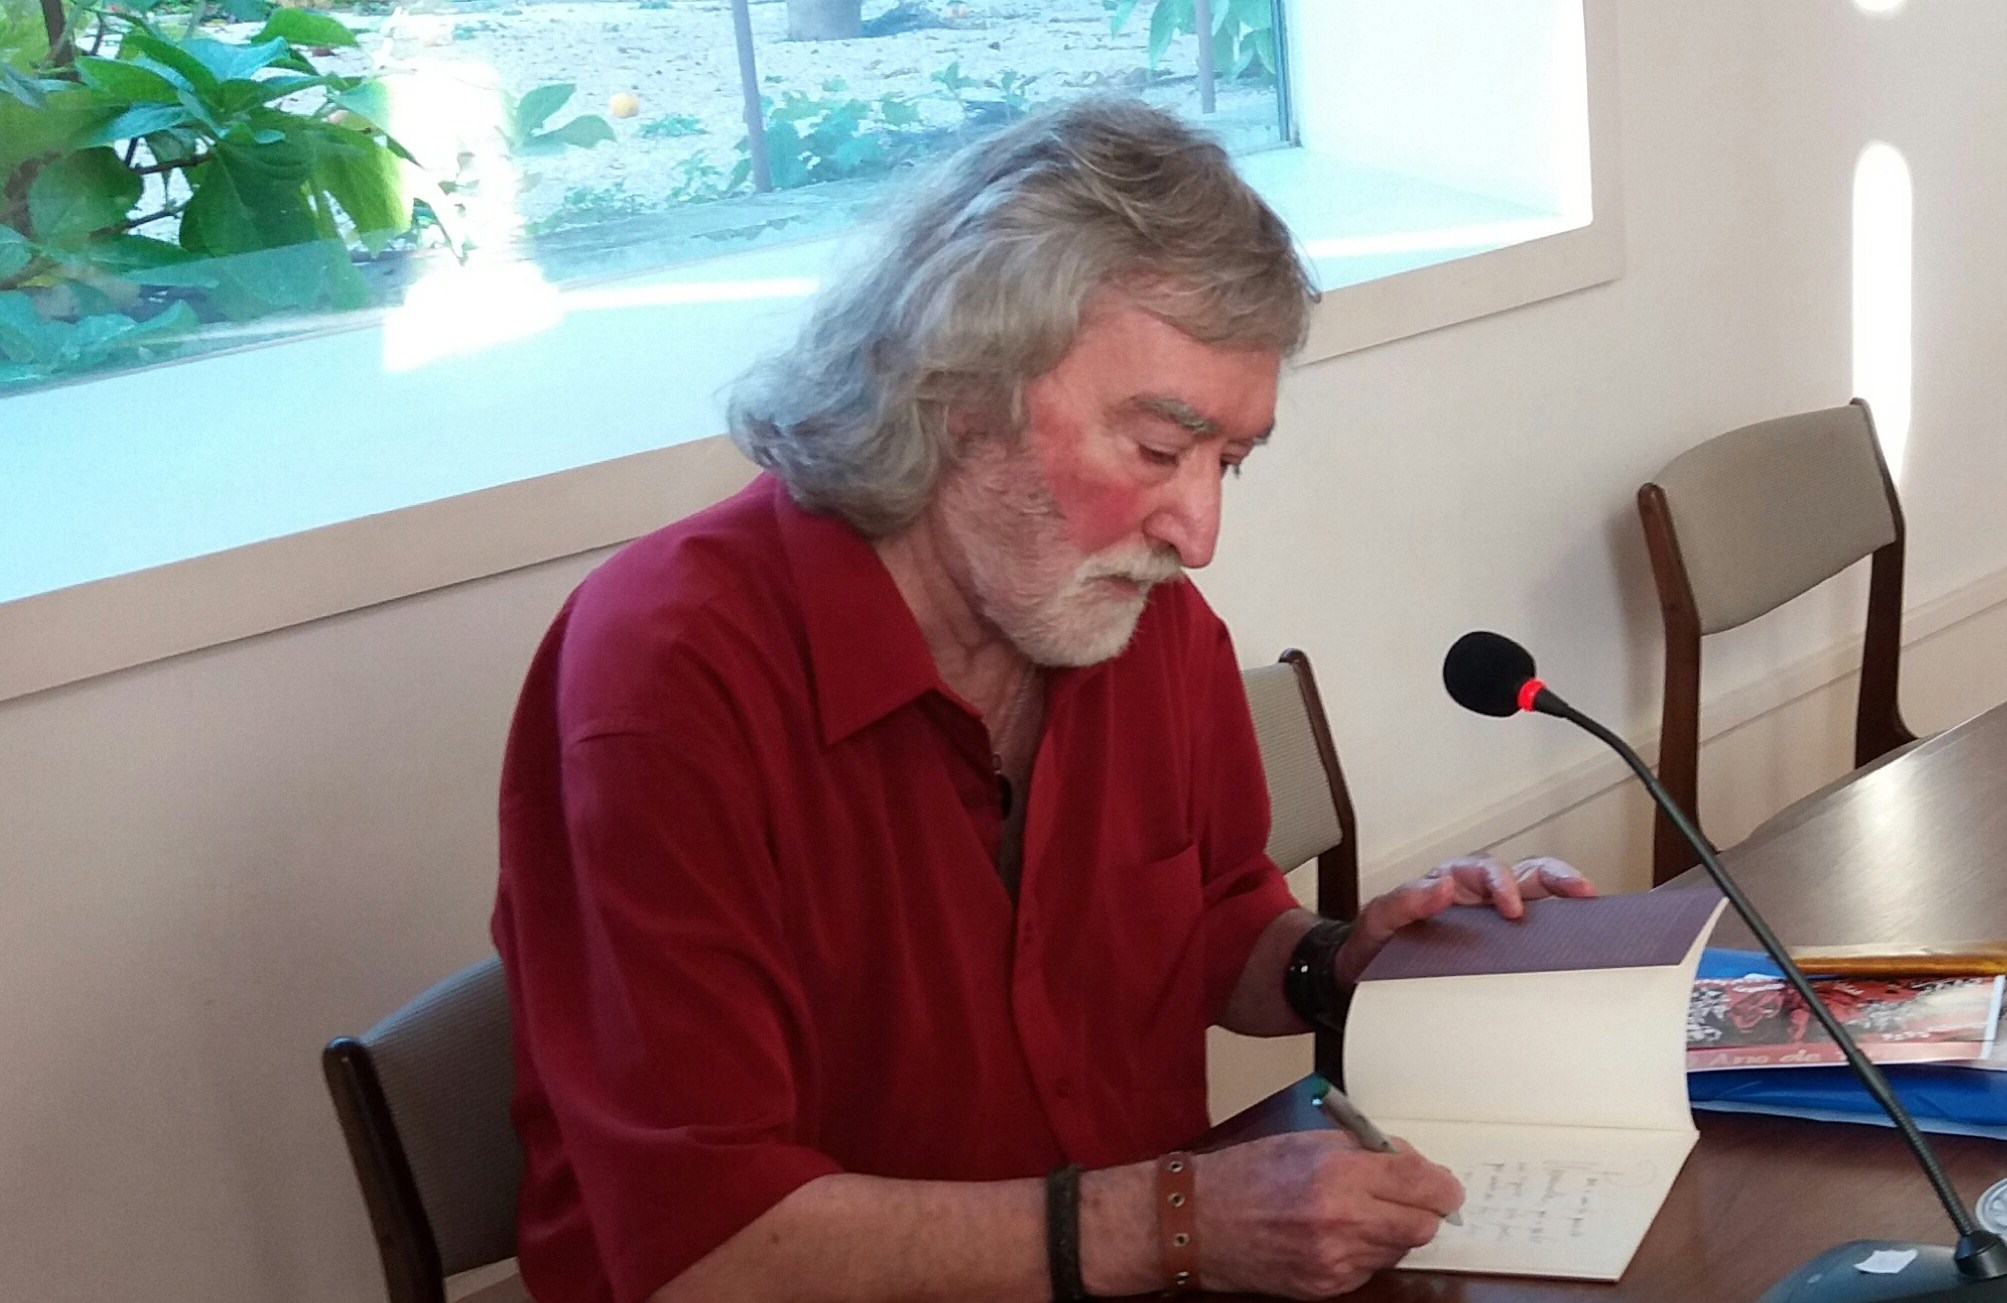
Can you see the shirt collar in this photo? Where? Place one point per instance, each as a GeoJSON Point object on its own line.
{"type": "Point", "coordinates": [866, 654]}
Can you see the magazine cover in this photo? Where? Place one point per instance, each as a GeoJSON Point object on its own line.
{"type": "Point", "coordinates": [1759, 1022]}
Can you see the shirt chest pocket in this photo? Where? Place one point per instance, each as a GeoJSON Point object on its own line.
{"type": "Point", "coordinates": [1142, 1005]}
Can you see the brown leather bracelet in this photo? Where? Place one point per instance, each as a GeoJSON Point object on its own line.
{"type": "Point", "coordinates": [1178, 1222]}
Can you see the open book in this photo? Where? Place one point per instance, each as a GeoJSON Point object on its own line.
{"type": "Point", "coordinates": [1544, 1062]}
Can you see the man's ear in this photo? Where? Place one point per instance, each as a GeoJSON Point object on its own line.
{"type": "Point", "coordinates": [970, 418]}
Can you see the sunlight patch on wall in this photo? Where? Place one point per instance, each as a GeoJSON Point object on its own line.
{"type": "Point", "coordinates": [1883, 215]}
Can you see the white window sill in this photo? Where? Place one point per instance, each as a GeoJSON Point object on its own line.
{"type": "Point", "coordinates": [160, 511]}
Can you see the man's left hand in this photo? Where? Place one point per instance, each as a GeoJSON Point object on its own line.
{"type": "Point", "coordinates": [1467, 880]}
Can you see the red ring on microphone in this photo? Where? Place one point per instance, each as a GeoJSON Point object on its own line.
{"type": "Point", "coordinates": [1528, 691]}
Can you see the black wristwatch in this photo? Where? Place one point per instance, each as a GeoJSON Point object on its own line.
{"type": "Point", "coordinates": [1310, 983]}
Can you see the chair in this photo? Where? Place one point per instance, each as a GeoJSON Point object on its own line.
{"type": "Point", "coordinates": [1310, 808]}
{"type": "Point", "coordinates": [1741, 525]}
{"type": "Point", "coordinates": [423, 1099]}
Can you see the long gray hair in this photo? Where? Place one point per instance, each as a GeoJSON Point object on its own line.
{"type": "Point", "coordinates": [977, 285]}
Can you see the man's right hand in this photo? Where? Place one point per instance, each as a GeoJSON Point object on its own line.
{"type": "Point", "coordinates": [1310, 1214]}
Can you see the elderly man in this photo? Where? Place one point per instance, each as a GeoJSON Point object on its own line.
{"type": "Point", "coordinates": [878, 844]}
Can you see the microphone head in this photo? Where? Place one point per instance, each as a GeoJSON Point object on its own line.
{"type": "Point", "coordinates": [1484, 672]}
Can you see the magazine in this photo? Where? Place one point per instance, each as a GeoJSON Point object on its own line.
{"type": "Point", "coordinates": [1759, 1022]}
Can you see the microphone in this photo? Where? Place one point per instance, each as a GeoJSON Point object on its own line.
{"type": "Point", "coordinates": [1493, 675]}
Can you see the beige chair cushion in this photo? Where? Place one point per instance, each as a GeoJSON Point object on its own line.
{"type": "Point", "coordinates": [1304, 822]}
{"type": "Point", "coordinates": [1765, 512]}
{"type": "Point", "coordinates": [445, 1064]}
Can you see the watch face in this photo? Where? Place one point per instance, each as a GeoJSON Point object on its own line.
{"type": "Point", "coordinates": [1992, 1208]}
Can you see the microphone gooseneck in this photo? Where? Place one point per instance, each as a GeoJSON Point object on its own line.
{"type": "Point", "coordinates": [1493, 675]}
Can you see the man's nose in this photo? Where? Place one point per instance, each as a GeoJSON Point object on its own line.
{"type": "Point", "coordinates": [1187, 517]}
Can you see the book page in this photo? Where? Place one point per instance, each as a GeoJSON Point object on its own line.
{"type": "Point", "coordinates": [1601, 1047]}
{"type": "Point", "coordinates": [1546, 1201]}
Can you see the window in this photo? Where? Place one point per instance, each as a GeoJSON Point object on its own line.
{"type": "Point", "coordinates": [188, 175]}
{"type": "Point", "coordinates": [516, 406]}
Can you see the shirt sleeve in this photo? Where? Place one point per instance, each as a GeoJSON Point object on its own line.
{"type": "Point", "coordinates": [653, 991]}
{"type": "Point", "coordinates": [1244, 891]}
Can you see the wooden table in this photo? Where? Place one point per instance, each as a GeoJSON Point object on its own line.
{"type": "Point", "coordinates": [1914, 853]}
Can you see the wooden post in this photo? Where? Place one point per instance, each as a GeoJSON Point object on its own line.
{"type": "Point", "coordinates": [1202, 18]}
{"type": "Point", "coordinates": [749, 88]}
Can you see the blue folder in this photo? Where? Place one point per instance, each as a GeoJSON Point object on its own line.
{"type": "Point", "coordinates": [1956, 1101]}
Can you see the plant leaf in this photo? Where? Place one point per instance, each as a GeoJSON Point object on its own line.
{"type": "Point", "coordinates": [277, 88]}
{"type": "Point", "coordinates": [140, 120]}
{"type": "Point", "coordinates": [249, 197]}
{"type": "Point", "coordinates": [172, 145]}
{"type": "Point", "coordinates": [15, 251]}
{"type": "Point", "coordinates": [126, 80]}
{"type": "Point", "coordinates": [1255, 15]}
{"type": "Point", "coordinates": [1164, 25]}
{"type": "Point", "coordinates": [369, 101]}
{"type": "Point", "coordinates": [247, 11]}
{"type": "Point", "coordinates": [226, 61]}
{"type": "Point", "coordinates": [178, 319]}
{"type": "Point", "coordinates": [67, 117]}
{"type": "Point", "coordinates": [75, 194]}
{"type": "Point", "coordinates": [424, 189]}
{"type": "Point", "coordinates": [1262, 46]}
{"type": "Point", "coordinates": [1119, 16]}
{"type": "Point", "coordinates": [136, 257]}
{"type": "Point", "coordinates": [316, 274]}
{"type": "Point", "coordinates": [21, 86]}
{"type": "Point", "coordinates": [168, 57]}
{"type": "Point", "coordinates": [303, 27]}
{"type": "Point", "coordinates": [366, 179]}
{"type": "Point", "coordinates": [582, 132]}
{"type": "Point", "coordinates": [535, 108]}
{"type": "Point", "coordinates": [24, 336]}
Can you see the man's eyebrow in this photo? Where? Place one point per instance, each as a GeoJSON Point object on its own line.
{"type": "Point", "coordinates": [1183, 414]}
{"type": "Point", "coordinates": [1178, 412]}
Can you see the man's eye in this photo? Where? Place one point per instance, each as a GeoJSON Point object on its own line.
{"type": "Point", "coordinates": [1158, 457]}
{"type": "Point", "coordinates": [1229, 468]}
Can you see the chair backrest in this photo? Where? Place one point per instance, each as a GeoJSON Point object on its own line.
{"type": "Point", "coordinates": [1766, 512]}
{"type": "Point", "coordinates": [423, 1099]}
{"type": "Point", "coordinates": [1310, 809]}
{"type": "Point", "coordinates": [1745, 522]}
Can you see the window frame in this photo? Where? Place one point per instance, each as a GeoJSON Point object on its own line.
{"type": "Point", "coordinates": [69, 634]}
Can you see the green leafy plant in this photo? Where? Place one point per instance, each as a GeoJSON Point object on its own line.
{"type": "Point", "coordinates": [186, 180]}
{"type": "Point", "coordinates": [1243, 33]}
{"type": "Point", "coordinates": [699, 180]}
{"type": "Point", "coordinates": [1013, 88]}
{"type": "Point", "coordinates": [523, 123]}
{"type": "Point", "coordinates": [586, 205]}
{"type": "Point", "coordinates": [670, 125]}
{"type": "Point", "coordinates": [832, 137]}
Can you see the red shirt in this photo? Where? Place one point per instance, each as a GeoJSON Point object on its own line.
{"type": "Point", "coordinates": [752, 923]}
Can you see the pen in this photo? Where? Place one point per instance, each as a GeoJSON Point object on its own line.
{"type": "Point", "coordinates": [1347, 1115]}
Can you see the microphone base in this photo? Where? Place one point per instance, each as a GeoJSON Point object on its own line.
{"type": "Point", "coordinates": [1833, 1277]}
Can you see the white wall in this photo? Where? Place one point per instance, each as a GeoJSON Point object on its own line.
{"type": "Point", "coordinates": [210, 864]}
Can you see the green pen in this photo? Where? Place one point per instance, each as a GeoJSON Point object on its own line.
{"type": "Point", "coordinates": [1346, 1114]}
